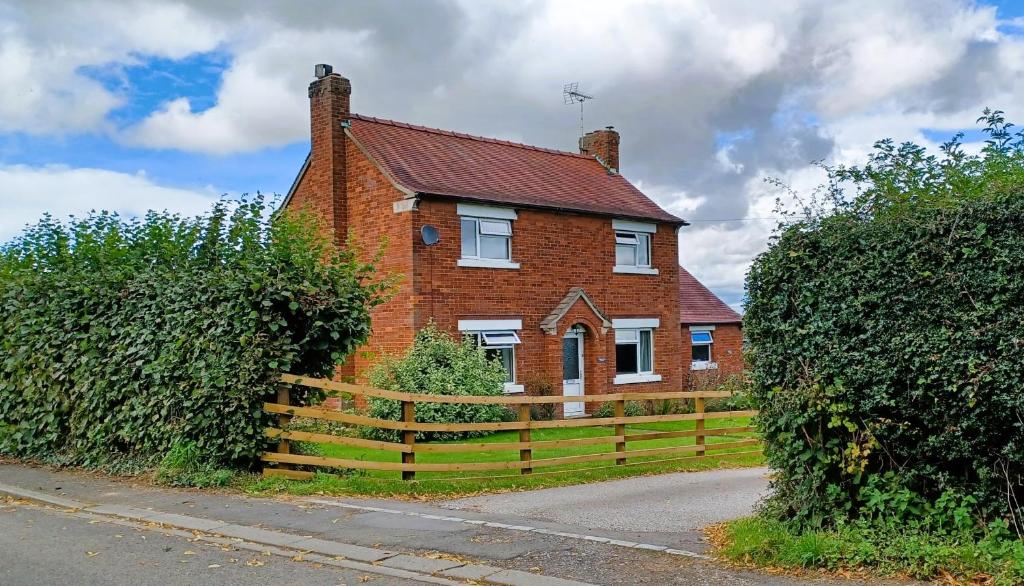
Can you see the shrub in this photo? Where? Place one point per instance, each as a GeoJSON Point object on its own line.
{"type": "Point", "coordinates": [631, 409]}
{"type": "Point", "coordinates": [544, 388]}
{"type": "Point", "coordinates": [184, 465]}
{"type": "Point", "coordinates": [437, 364]}
{"type": "Point", "coordinates": [886, 337]}
{"type": "Point", "coordinates": [122, 338]}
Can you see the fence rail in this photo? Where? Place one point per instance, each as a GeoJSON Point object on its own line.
{"type": "Point", "coordinates": [284, 460]}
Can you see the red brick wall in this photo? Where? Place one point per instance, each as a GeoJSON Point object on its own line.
{"type": "Point", "coordinates": [373, 222]}
{"type": "Point", "coordinates": [726, 351]}
{"type": "Point", "coordinates": [556, 251]}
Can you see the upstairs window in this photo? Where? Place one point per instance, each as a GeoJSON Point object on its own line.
{"type": "Point", "coordinates": [486, 238]}
{"type": "Point", "coordinates": [632, 249]}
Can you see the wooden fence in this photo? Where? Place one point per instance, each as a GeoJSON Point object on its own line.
{"type": "Point", "coordinates": [284, 460]}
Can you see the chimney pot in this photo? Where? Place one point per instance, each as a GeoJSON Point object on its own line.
{"type": "Point", "coordinates": [322, 70]}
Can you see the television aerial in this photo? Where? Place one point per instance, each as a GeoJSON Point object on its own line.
{"type": "Point", "coordinates": [571, 94]}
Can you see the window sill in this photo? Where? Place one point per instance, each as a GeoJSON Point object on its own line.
{"type": "Point", "coordinates": [703, 365]}
{"type": "Point", "coordinates": [513, 389]}
{"type": "Point", "coordinates": [487, 263]}
{"type": "Point", "coordinates": [634, 270]}
{"type": "Point", "coordinates": [627, 379]}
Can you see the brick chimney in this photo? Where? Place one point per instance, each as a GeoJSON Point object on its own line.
{"type": "Point", "coordinates": [328, 108]}
{"type": "Point", "coordinates": [603, 144]}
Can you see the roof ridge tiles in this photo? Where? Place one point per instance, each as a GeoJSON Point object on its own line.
{"type": "Point", "coordinates": [464, 135]}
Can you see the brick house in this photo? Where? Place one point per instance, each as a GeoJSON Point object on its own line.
{"type": "Point", "coordinates": [712, 333]}
{"type": "Point", "coordinates": [550, 260]}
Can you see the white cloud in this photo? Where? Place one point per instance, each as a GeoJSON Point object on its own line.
{"type": "Point", "coordinates": [43, 48]}
{"type": "Point", "coordinates": [260, 103]}
{"type": "Point", "coordinates": [26, 193]}
{"type": "Point", "coordinates": [669, 75]}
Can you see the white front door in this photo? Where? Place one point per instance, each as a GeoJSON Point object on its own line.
{"type": "Point", "coordinates": [572, 371]}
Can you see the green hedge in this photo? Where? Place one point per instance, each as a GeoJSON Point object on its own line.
{"type": "Point", "coordinates": [121, 338]}
{"type": "Point", "coordinates": [887, 338]}
{"type": "Point", "coordinates": [437, 364]}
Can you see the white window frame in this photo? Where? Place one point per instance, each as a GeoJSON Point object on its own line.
{"type": "Point", "coordinates": [635, 327]}
{"type": "Point", "coordinates": [710, 363]}
{"type": "Point", "coordinates": [480, 216]}
{"type": "Point", "coordinates": [498, 328]}
{"type": "Point", "coordinates": [642, 234]}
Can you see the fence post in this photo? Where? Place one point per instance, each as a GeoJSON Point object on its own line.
{"type": "Point", "coordinates": [525, 455]}
{"type": "Point", "coordinates": [620, 429]}
{"type": "Point", "coordinates": [409, 438]}
{"type": "Point", "coordinates": [284, 397]}
{"type": "Point", "coordinates": [698, 404]}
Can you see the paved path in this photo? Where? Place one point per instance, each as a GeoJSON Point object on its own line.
{"type": "Point", "coordinates": [669, 503]}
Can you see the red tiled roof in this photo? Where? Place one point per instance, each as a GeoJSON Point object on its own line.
{"type": "Point", "coordinates": [440, 162]}
{"type": "Point", "coordinates": [698, 305]}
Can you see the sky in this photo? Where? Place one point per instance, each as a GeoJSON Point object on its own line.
{"type": "Point", "coordinates": [135, 105]}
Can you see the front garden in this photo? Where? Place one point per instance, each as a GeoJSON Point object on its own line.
{"type": "Point", "coordinates": [438, 364]}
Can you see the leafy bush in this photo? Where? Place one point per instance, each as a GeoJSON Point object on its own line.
{"type": "Point", "coordinates": [122, 338]}
{"type": "Point", "coordinates": [631, 409]}
{"type": "Point", "coordinates": [436, 364]}
{"type": "Point", "coordinates": [541, 387]}
{"type": "Point", "coordinates": [887, 337]}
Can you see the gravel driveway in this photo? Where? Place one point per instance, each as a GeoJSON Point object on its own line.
{"type": "Point", "coordinates": [669, 503]}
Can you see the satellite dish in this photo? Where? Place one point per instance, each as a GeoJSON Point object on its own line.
{"type": "Point", "coordinates": [430, 235]}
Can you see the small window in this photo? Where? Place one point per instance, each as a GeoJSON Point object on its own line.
{"type": "Point", "coordinates": [486, 238]}
{"type": "Point", "coordinates": [632, 249]}
{"type": "Point", "coordinates": [500, 338]}
{"type": "Point", "coordinates": [634, 351]}
{"type": "Point", "coordinates": [700, 337]}
{"type": "Point", "coordinates": [700, 343]}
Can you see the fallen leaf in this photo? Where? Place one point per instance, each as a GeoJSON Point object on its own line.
{"type": "Point", "coordinates": [213, 566]}
{"type": "Point", "coordinates": [92, 553]}
{"type": "Point", "coordinates": [255, 563]}
{"type": "Point", "coordinates": [188, 552]}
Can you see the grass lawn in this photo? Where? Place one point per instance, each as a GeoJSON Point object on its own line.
{"type": "Point", "coordinates": [865, 548]}
{"type": "Point", "coordinates": [442, 484]}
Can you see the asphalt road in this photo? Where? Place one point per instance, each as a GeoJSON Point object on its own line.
{"type": "Point", "coordinates": [667, 503]}
{"type": "Point", "coordinates": [46, 547]}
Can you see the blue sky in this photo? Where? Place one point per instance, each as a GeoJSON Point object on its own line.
{"type": "Point", "coordinates": [179, 102]}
